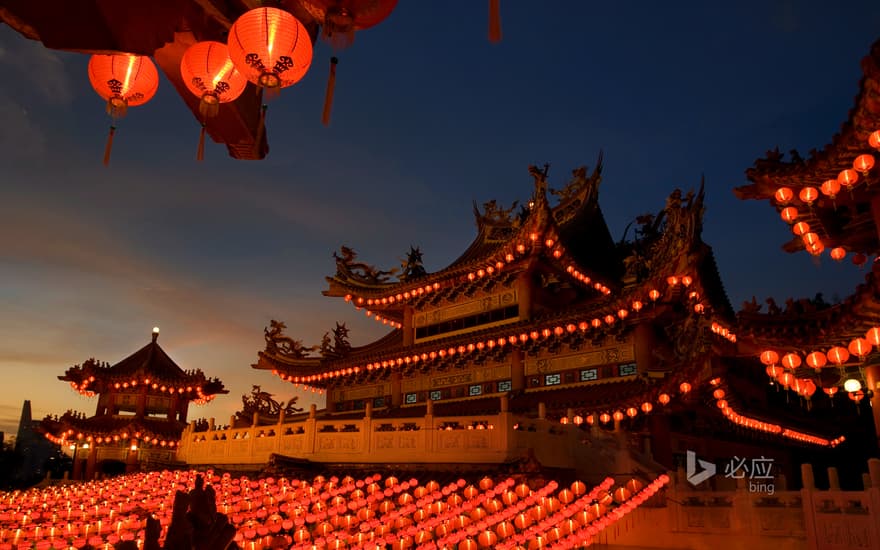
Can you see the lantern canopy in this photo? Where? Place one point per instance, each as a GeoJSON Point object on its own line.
{"type": "Point", "coordinates": [270, 47]}
{"type": "Point", "coordinates": [124, 81]}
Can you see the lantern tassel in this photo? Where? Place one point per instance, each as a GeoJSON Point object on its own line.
{"type": "Point", "coordinates": [494, 21]}
{"type": "Point", "coordinates": [261, 128]}
{"type": "Point", "coordinates": [200, 155]}
{"type": "Point", "coordinates": [331, 86]}
{"type": "Point", "coordinates": [109, 147]}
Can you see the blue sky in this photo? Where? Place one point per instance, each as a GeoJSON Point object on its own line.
{"type": "Point", "coordinates": [428, 117]}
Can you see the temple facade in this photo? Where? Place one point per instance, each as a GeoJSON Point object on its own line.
{"type": "Point", "coordinates": [546, 319]}
{"type": "Point", "coordinates": [142, 409]}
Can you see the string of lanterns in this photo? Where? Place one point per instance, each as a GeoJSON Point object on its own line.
{"type": "Point", "coordinates": [781, 368]}
{"type": "Point", "coordinates": [194, 393]}
{"type": "Point", "coordinates": [612, 315]}
{"type": "Point", "coordinates": [333, 513]}
{"type": "Point", "coordinates": [847, 179]}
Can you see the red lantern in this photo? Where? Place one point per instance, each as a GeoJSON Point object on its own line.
{"type": "Point", "coordinates": [272, 49]}
{"type": "Point", "coordinates": [874, 139]}
{"type": "Point", "coordinates": [860, 347]}
{"type": "Point", "coordinates": [340, 19]}
{"type": "Point", "coordinates": [838, 253]}
{"type": "Point", "coordinates": [873, 336]}
{"type": "Point", "coordinates": [791, 360]}
{"type": "Point", "coordinates": [830, 188]}
{"type": "Point", "coordinates": [663, 398]}
{"type": "Point", "coordinates": [123, 81]}
{"type": "Point", "coordinates": [838, 355]}
{"type": "Point", "coordinates": [848, 178]}
{"type": "Point", "coordinates": [863, 163]}
{"type": "Point", "coordinates": [800, 229]}
{"type": "Point", "coordinates": [684, 387]}
{"type": "Point", "coordinates": [859, 259]}
{"type": "Point", "coordinates": [789, 214]}
{"type": "Point", "coordinates": [817, 360]}
{"type": "Point", "coordinates": [784, 195]}
{"type": "Point", "coordinates": [808, 195]}
{"type": "Point", "coordinates": [211, 76]}
{"type": "Point", "coordinates": [769, 357]}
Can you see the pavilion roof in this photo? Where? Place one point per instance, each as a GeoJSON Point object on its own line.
{"type": "Point", "coordinates": [110, 425]}
{"type": "Point", "coordinates": [150, 365]}
{"type": "Point", "coordinates": [844, 220]}
{"type": "Point", "coordinates": [499, 233]}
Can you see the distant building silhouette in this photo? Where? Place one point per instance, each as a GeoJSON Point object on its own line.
{"type": "Point", "coordinates": [32, 449]}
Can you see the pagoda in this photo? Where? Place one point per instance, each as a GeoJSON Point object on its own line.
{"type": "Point", "coordinates": [141, 412]}
{"type": "Point", "coordinates": [831, 201]}
{"type": "Point", "coordinates": [545, 314]}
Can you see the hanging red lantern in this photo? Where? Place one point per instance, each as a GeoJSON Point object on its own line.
{"type": "Point", "coordinates": [838, 253]}
{"type": "Point", "coordinates": [863, 163]}
{"type": "Point", "coordinates": [769, 357]}
{"type": "Point", "coordinates": [808, 195]}
{"type": "Point", "coordinates": [123, 81]}
{"type": "Point", "coordinates": [860, 347]}
{"type": "Point", "coordinates": [800, 228]}
{"type": "Point", "coordinates": [209, 73]}
{"type": "Point", "coordinates": [838, 355]}
{"type": "Point", "coordinates": [859, 259]}
{"type": "Point", "coordinates": [663, 398]}
{"type": "Point", "coordinates": [791, 360]}
{"type": "Point", "coordinates": [810, 238]}
{"type": "Point", "coordinates": [830, 188]}
{"type": "Point", "coordinates": [272, 49]}
{"type": "Point", "coordinates": [848, 178]}
{"type": "Point", "coordinates": [817, 360]}
{"type": "Point", "coordinates": [874, 139]}
{"type": "Point", "coordinates": [784, 195]}
{"type": "Point", "coordinates": [340, 19]}
{"type": "Point", "coordinates": [684, 387]}
{"type": "Point", "coordinates": [789, 214]}
{"type": "Point", "coordinates": [873, 336]}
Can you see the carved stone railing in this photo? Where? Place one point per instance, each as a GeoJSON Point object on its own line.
{"type": "Point", "coordinates": [493, 439]}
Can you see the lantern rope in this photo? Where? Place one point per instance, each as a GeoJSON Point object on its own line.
{"type": "Point", "coordinates": [261, 127]}
{"type": "Point", "coordinates": [200, 155]}
{"type": "Point", "coordinates": [494, 21]}
{"type": "Point", "coordinates": [109, 147]}
{"type": "Point", "coordinates": [331, 86]}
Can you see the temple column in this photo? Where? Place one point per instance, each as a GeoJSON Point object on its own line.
{"type": "Point", "coordinates": [524, 295]}
{"type": "Point", "coordinates": [142, 402]}
{"type": "Point", "coordinates": [408, 331]}
{"type": "Point", "coordinates": [644, 341]}
{"type": "Point", "coordinates": [184, 408]}
{"type": "Point", "coordinates": [131, 461]}
{"type": "Point", "coordinates": [872, 381]}
{"type": "Point", "coordinates": [396, 392]}
{"type": "Point", "coordinates": [77, 464]}
{"type": "Point", "coordinates": [517, 371]}
{"type": "Point", "coordinates": [91, 462]}
{"type": "Point", "coordinates": [661, 442]}
{"type": "Point", "coordinates": [330, 402]}
{"type": "Point", "coordinates": [172, 410]}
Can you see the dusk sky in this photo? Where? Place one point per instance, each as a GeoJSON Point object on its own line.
{"type": "Point", "coordinates": [428, 117]}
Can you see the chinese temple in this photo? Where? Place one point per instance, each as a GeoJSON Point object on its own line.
{"type": "Point", "coordinates": [142, 410]}
{"type": "Point", "coordinates": [545, 315]}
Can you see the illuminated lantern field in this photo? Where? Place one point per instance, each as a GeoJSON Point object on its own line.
{"type": "Point", "coordinates": [325, 513]}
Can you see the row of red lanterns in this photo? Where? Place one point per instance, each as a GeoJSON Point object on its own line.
{"type": "Point", "coordinates": [837, 355]}
{"type": "Point", "coordinates": [521, 339]}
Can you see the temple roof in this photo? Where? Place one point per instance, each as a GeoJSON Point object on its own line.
{"type": "Point", "coordinates": [163, 29]}
{"type": "Point", "coordinates": [149, 365]}
{"type": "Point", "coordinates": [845, 219]}
{"type": "Point", "coordinates": [110, 425]}
{"type": "Point", "coordinates": [499, 232]}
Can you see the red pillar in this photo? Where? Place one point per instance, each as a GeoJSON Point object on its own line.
{"type": "Point", "coordinates": [91, 462]}
{"type": "Point", "coordinates": [872, 381]}
{"type": "Point", "coordinates": [77, 464]}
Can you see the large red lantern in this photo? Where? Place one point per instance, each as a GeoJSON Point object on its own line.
{"type": "Point", "coordinates": [123, 81]}
{"type": "Point", "coordinates": [209, 73]}
{"type": "Point", "coordinates": [340, 19]}
{"type": "Point", "coordinates": [272, 49]}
